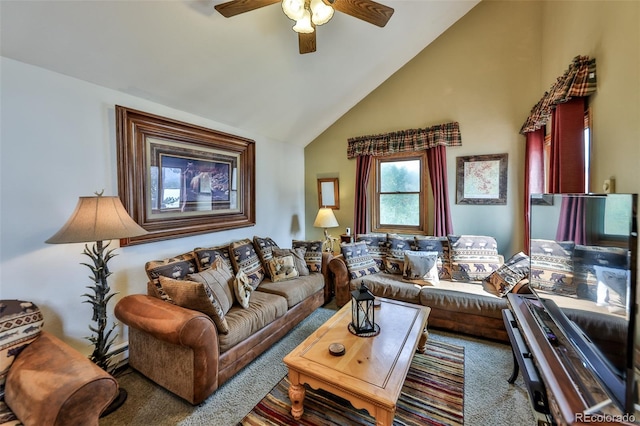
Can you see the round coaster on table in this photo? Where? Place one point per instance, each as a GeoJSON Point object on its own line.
{"type": "Point", "coordinates": [336, 349]}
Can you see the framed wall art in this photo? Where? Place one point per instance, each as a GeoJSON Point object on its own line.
{"type": "Point", "coordinates": [481, 179]}
{"type": "Point", "coordinates": [328, 193]}
{"type": "Point", "coordinates": [177, 179]}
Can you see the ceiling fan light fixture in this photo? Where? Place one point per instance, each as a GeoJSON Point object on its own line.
{"type": "Point", "coordinates": [321, 13]}
{"type": "Point", "coordinates": [303, 25]}
{"type": "Point", "coordinates": [294, 9]}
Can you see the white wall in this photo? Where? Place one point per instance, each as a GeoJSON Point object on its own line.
{"type": "Point", "coordinates": [58, 143]}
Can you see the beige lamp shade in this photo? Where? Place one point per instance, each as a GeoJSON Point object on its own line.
{"type": "Point", "coordinates": [325, 218]}
{"type": "Point", "coordinates": [97, 219]}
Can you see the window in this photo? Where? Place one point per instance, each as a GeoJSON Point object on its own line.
{"type": "Point", "coordinates": [399, 202]}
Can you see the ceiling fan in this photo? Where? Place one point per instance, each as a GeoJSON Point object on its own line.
{"type": "Point", "coordinates": [310, 13]}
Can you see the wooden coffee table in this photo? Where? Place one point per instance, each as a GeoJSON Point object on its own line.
{"type": "Point", "coordinates": [372, 371]}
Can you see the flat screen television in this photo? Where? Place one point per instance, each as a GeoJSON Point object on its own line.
{"type": "Point", "coordinates": [583, 253]}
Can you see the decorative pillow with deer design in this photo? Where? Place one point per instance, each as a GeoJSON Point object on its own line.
{"type": "Point", "coordinates": [282, 268]}
{"type": "Point", "coordinates": [359, 261]}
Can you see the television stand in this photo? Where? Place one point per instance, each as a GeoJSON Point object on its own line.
{"type": "Point", "coordinates": [523, 361]}
{"type": "Point", "coordinates": [562, 390]}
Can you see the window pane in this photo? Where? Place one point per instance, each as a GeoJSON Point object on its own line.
{"type": "Point", "coordinates": [617, 214]}
{"type": "Point", "coordinates": [400, 209]}
{"type": "Point", "coordinates": [400, 176]}
{"type": "Point", "coordinates": [170, 188]}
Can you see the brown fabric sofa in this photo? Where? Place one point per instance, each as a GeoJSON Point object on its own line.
{"type": "Point", "coordinates": [466, 306]}
{"type": "Point", "coordinates": [184, 351]}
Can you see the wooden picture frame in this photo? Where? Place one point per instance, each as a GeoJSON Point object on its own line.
{"type": "Point", "coordinates": [481, 179]}
{"type": "Point", "coordinates": [328, 193]}
{"type": "Point", "coordinates": [177, 179]}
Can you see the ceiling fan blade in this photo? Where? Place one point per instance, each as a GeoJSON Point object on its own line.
{"type": "Point", "coordinates": [367, 10]}
{"type": "Point", "coordinates": [307, 42]}
{"type": "Point", "coordinates": [236, 7]}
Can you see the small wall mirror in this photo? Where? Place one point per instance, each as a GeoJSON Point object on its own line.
{"type": "Point", "coordinates": [328, 193]}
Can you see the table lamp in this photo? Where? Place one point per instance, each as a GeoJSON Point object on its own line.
{"type": "Point", "coordinates": [326, 219]}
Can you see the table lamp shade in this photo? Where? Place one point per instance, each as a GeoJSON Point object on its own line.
{"type": "Point", "coordinates": [97, 218]}
{"type": "Point", "coordinates": [325, 218]}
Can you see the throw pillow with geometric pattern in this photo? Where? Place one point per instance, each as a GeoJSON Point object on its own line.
{"type": "Point", "coordinates": [358, 260]}
{"type": "Point", "coordinates": [245, 258]}
{"type": "Point", "coordinates": [514, 270]}
{"type": "Point", "coordinates": [264, 248]}
{"type": "Point", "coordinates": [377, 246]}
{"type": "Point", "coordinates": [20, 324]}
{"type": "Point", "coordinates": [473, 257]}
{"type": "Point", "coordinates": [312, 255]}
{"type": "Point", "coordinates": [177, 267]}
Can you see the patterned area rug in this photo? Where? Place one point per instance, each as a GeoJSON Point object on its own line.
{"type": "Point", "coordinates": [432, 395]}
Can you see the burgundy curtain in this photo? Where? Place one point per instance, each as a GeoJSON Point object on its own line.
{"type": "Point", "coordinates": [437, 160]}
{"type": "Point", "coordinates": [567, 168]}
{"type": "Point", "coordinates": [572, 223]}
{"type": "Point", "coordinates": [363, 170]}
{"type": "Point", "coordinates": [533, 176]}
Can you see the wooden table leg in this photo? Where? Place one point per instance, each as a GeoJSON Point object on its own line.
{"type": "Point", "coordinates": [422, 342]}
{"type": "Point", "coordinates": [384, 417]}
{"type": "Point", "coordinates": [296, 395]}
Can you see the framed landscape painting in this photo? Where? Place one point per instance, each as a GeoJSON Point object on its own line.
{"type": "Point", "coordinates": [481, 179]}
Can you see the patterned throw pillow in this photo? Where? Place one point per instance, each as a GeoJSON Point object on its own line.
{"type": "Point", "coordinates": [437, 244]}
{"type": "Point", "coordinates": [514, 270]}
{"type": "Point", "coordinates": [282, 268]}
{"type": "Point", "coordinates": [206, 255]}
{"type": "Point", "coordinates": [397, 246]}
{"type": "Point", "coordinates": [359, 261]}
{"type": "Point", "coordinates": [244, 258]}
{"type": "Point", "coordinates": [177, 267]}
{"type": "Point", "coordinates": [312, 255]}
{"type": "Point", "coordinates": [298, 258]}
{"type": "Point", "coordinates": [552, 265]}
{"type": "Point", "coordinates": [219, 280]}
{"type": "Point", "coordinates": [20, 325]}
{"type": "Point", "coordinates": [377, 246]}
{"type": "Point", "coordinates": [197, 296]}
{"type": "Point", "coordinates": [473, 257]}
{"type": "Point", "coordinates": [421, 267]}
{"type": "Point", "coordinates": [264, 248]}
{"type": "Point", "coordinates": [242, 289]}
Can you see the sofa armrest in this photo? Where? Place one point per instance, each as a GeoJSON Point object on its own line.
{"type": "Point", "coordinates": [164, 337]}
{"type": "Point", "coordinates": [339, 276]}
{"type": "Point", "coordinates": [50, 383]}
{"type": "Point", "coordinates": [324, 269]}
{"type": "Point", "coordinates": [166, 321]}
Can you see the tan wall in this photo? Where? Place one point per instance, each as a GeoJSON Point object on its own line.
{"type": "Point", "coordinates": [610, 32]}
{"type": "Point", "coordinates": [486, 72]}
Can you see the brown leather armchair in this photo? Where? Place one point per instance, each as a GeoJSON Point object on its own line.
{"type": "Point", "coordinates": [50, 383]}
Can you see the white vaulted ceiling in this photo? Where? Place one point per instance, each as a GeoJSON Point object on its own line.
{"type": "Point", "coordinates": [243, 71]}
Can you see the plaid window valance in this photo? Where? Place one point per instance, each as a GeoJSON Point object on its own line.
{"type": "Point", "coordinates": [578, 80]}
{"type": "Point", "coordinates": [447, 134]}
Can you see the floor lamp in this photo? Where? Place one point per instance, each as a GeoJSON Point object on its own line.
{"type": "Point", "coordinates": [99, 219]}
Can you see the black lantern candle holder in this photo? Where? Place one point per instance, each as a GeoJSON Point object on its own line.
{"type": "Point", "coordinates": [362, 312]}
